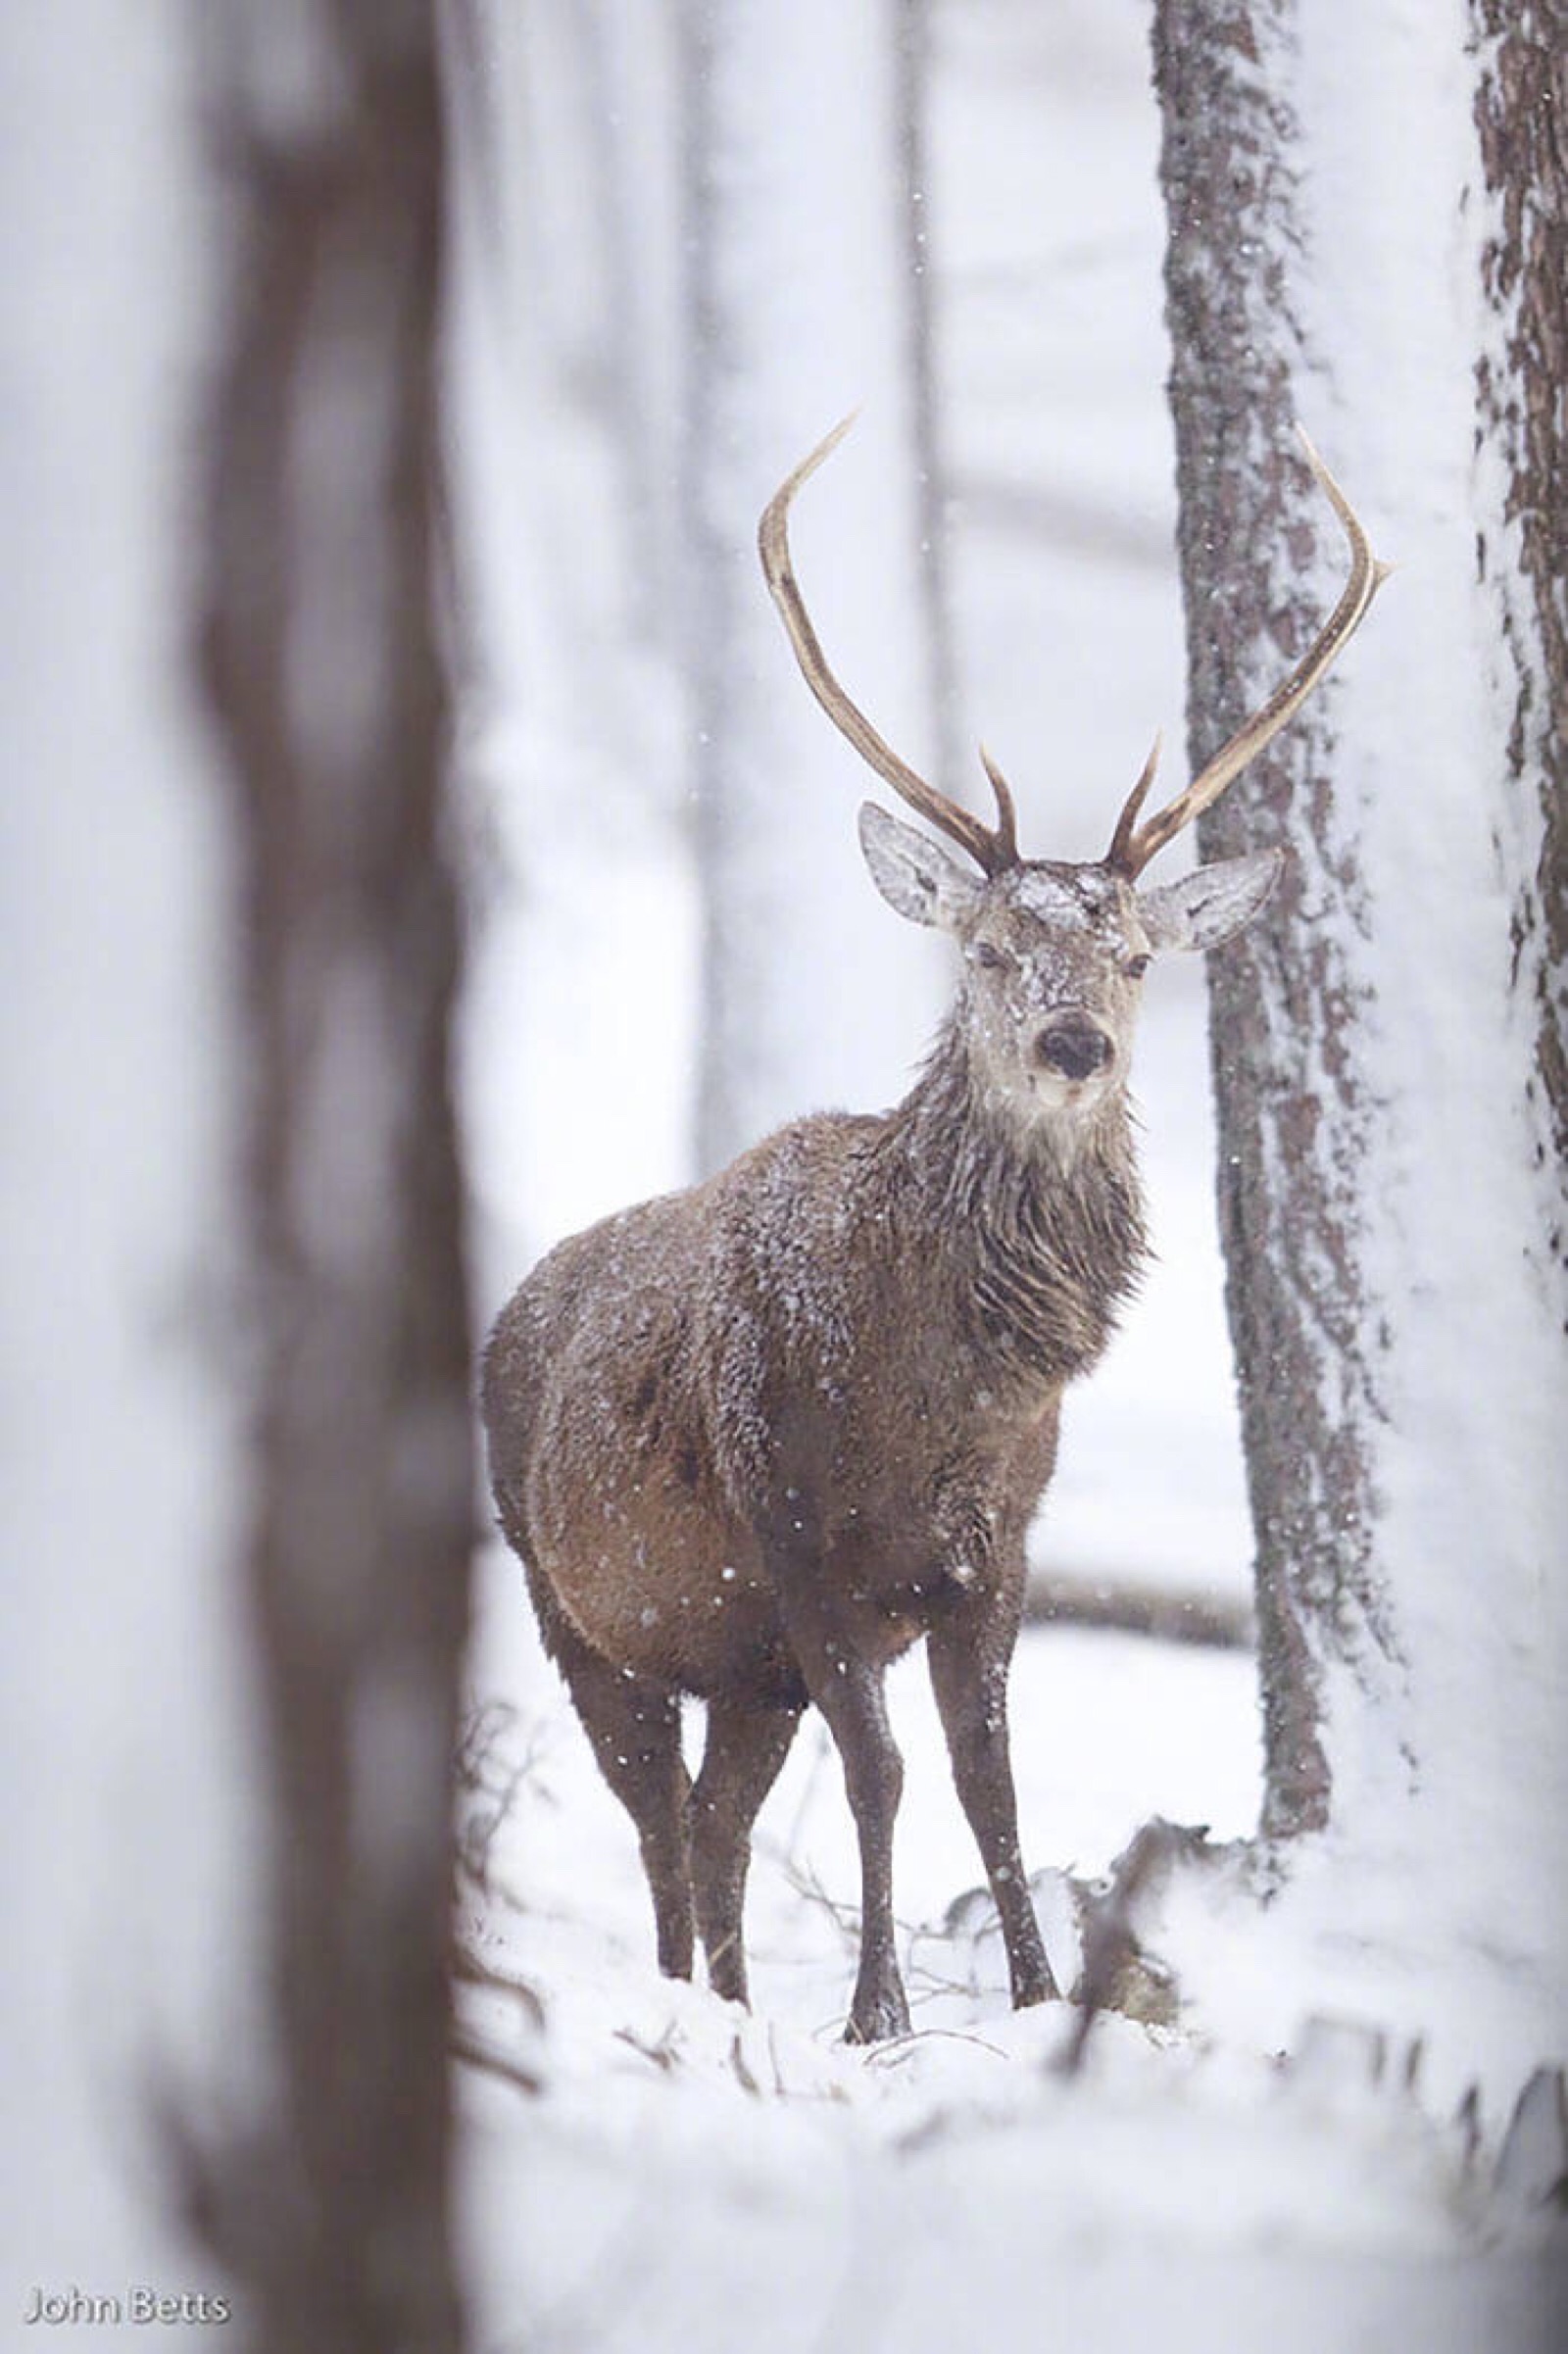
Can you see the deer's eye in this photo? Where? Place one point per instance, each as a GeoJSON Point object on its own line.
{"type": "Point", "coordinates": [989, 958]}
{"type": "Point", "coordinates": [1135, 968]}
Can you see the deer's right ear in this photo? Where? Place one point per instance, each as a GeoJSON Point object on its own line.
{"type": "Point", "coordinates": [914, 876]}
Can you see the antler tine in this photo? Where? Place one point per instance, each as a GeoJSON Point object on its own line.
{"type": "Point", "coordinates": [992, 849]}
{"type": "Point", "coordinates": [1121, 848]}
{"type": "Point", "coordinates": [1132, 845]}
{"type": "Point", "coordinates": [1005, 834]}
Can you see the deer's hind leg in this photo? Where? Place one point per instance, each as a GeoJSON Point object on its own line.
{"type": "Point", "coordinates": [633, 1725]}
{"type": "Point", "coordinates": [741, 1761]}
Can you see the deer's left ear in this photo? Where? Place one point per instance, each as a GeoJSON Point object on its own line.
{"type": "Point", "coordinates": [1212, 903]}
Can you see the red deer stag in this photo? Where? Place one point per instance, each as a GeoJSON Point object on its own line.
{"type": "Point", "coordinates": [756, 1439]}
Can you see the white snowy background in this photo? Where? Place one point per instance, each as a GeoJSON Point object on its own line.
{"type": "Point", "coordinates": [689, 2178]}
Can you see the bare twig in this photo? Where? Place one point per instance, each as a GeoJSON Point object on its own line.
{"type": "Point", "coordinates": [469, 1968]}
{"type": "Point", "coordinates": [804, 1880]}
{"type": "Point", "coordinates": [477, 2052]}
{"type": "Point", "coordinates": [665, 2056]}
{"type": "Point", "coordinates": [488, 1778]}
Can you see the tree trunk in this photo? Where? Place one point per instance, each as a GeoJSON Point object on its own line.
{"type": "Point", "coordinates": [1521, 112]}
{"type": "Point", "coordinates": [328, 695]}
{"type": "Point", "coordinates": [562, 307]}
{"type": "Point", "coordinates": [1284, 1002]}
{"type": "Point", "coordinates": [1388, 1044]}
{"type": "Point", "coordinates": [797, 311]}
{"type": "Point", "coordinates": [913, 57]}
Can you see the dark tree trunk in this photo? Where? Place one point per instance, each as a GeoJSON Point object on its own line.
{"type": "Point", "coordinates": [1294, 1116]}
{"type": "Point", "coordinates": [328, 695]}
{"type": "Point", "coordinates": [1522, 119]}
{"type": "Point", "coordinates": [1367, 228]}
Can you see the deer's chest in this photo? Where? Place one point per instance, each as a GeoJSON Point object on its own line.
{"type": "Point", "coordinates": [918, 1505]}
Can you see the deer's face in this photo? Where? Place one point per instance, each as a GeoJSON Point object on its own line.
{"type": "Point", "coordinates": [1054, 956]}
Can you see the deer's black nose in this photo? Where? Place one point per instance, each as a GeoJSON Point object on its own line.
{"type": "Point", "coordinates": [1075, 1046]}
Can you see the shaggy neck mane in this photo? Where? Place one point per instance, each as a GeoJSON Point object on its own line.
{"type": "Point", "coordinates": [1043, 1226]}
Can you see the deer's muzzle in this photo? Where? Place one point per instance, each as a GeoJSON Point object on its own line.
{"type": "Point", "coordinates": [1075, 1046]}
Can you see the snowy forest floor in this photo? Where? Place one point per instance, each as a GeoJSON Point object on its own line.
{"type": "Point", "coordinates": [690, 2176]}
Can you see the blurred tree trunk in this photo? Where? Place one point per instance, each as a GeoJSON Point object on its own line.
{"type": "Point", "coordinates": [911, 104]}
{"type": "Point", "coordinates": [1360, 1111]}
{"type": "Point", "coordinates": [797, 204]}
{"type": "Point", "coordinates": [327, 690]}
{"type": "Point", "coordinates": [562, 299]}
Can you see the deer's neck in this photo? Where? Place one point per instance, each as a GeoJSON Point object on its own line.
{"type": "Point", "coordinates": [1041, 1226]}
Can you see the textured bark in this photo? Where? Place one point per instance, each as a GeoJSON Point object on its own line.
{"type": "Point", "coordinates": [329, 697]}
{"type": "Point", "coordinates": [1294, 1113]}
{"type": "Point", "coordinates": [1522, 120]}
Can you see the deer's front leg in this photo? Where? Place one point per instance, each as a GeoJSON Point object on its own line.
{"type": "Point", "coordinates": [969, 1655]}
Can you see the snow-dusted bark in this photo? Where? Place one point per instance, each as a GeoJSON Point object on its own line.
{"type": "Point", "coordinates": [1342, 250]}
{"type": "Point", "coordinates": [1521, 104]}
{"type": "Point", "coordinates": [799, 311]}
{"type": "Point", "coordinates": [1296, 1115]}
{"type": "Point", "coordinates": [327, 692]}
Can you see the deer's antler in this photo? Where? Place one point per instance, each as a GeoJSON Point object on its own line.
{"type": "Point", "coordinates": [1132, 845]}
{"type": "Point", "coordinates": [993, 847]}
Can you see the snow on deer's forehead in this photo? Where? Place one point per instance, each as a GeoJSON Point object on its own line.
{"type": "Point", "coordinates": [1071, 898]}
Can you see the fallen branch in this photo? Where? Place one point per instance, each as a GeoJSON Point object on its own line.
{"type": "Point", "coordinates": [1199, 1615]}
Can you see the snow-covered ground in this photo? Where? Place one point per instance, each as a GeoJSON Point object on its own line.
{"type": "Point", "coordinates": [691, 2177]}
